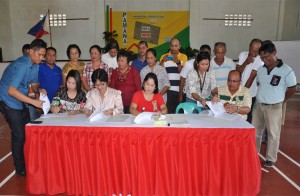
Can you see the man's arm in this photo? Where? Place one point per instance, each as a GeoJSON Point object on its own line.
{"type": "Point", "coordinates": [164, 90]}
{"type": "Point", "coordinates": [251, 78]}
{"type": "Point", "coordinates": [181, 85]}
{"type": "Point", "coordinates": [249, 59]}
{"type": "Point", "coordinates": [12, 91]}
{"type": "Point", "coordinates": [289, 92]}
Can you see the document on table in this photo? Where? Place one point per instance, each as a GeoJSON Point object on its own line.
{"type": "Point", "coordinates": [144, 118]}
{"type": "Point", "coordinates": [98, 115]}
{"type": "Point", "coordinates": [219, 111]}
{"type": "Point", "coordinates": [216, 108]}
{"type": "Point", "coordinates": [177, 121]}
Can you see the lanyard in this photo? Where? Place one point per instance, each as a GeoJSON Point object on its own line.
{"type": "Point", "coordinates": [201, 83]}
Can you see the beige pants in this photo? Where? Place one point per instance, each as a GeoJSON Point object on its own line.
{"type": "Point", "coordinates": [269, 117]}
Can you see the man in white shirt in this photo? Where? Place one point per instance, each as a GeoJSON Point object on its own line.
{"type": "Point", "coordinates": [249, 62]}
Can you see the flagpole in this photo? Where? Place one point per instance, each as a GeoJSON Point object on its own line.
{"type": "Point", "coordinates": [49, 28]}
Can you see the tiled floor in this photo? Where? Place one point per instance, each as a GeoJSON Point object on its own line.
{"type": "Point", "coordinates": [283, 179]}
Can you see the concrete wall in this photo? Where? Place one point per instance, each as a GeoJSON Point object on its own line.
{"type": "Point", "coordinates": [273, 19]}
{"type": "Point", "coordinates": [291, 21]}
{"type": "Point", "coordinates": [5, 30]}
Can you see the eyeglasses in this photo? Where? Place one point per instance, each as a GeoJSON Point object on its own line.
{"type": "Point", "coordinates": [234, 81]}
{"type": "Point", "coordinates": [100, 84]}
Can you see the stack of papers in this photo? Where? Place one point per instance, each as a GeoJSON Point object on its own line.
{"type": "Point", "coordinates": [98, 115]}
{"type": "Point", "coordinates": [218, 111]}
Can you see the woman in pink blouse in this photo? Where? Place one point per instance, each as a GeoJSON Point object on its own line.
{"type": "Point", "coordinates": [102, 97]}
{"type": "Point", "coordinates": [126, 79]}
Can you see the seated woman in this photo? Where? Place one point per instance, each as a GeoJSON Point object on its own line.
{"type": "Point", "coordinates": [70, 98]}
{"type": "Point", "coordinates": [126, 79]}
{"type": "Point", "coordinates": [102, 97]}
{"type": "Point", "coordinates": [201, 81]}
{"type": "Point", "coordinates": [148, 100]}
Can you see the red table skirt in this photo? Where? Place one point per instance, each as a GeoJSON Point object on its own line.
{"type": "Point", "coordinates": [141, 161]}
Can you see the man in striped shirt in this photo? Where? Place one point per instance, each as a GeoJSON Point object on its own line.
{"type": "Point", "coordinates": [221, 64]}
{"type": "Point", "coordinates": [236, 98]}
{"type": "Point", "coordinates": [173, 61]}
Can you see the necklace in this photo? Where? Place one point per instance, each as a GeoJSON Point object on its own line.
{"type": "Point", "coordinates": [122, 75]}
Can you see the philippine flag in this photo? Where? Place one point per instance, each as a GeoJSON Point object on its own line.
{"type": "Point", "coordinates": [41, 28]}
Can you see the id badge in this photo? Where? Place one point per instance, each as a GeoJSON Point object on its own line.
{"type": "Point", "coordinates": [275, 80]}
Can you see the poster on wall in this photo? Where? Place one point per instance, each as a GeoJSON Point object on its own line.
{"type": "Point", "coordinates": [157, 28]}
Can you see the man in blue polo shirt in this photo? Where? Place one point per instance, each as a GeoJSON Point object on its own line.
{"type": "Point", "coordinates": [14, 86]}
{"type": "Point", "coordinates": [50, 76]}
{"type": "Point", "coordinates": [141, 62]}
{"type": "Point", "coordinates": [276, 84]}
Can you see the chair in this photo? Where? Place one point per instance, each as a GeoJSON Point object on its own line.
{"type": "Point", "coordinates": [188, 108]}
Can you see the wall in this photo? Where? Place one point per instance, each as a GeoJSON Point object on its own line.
{"type": "Point", "coordinates": [5, 30]}
{"type": "Point", "coordinates": [273, 19]}
{"type": "Point", "coordinates": [291, 21]}
{"type": "Point", "coordinates": [19, 17]}
{"type": "Point", "coordinates": [237, 39]}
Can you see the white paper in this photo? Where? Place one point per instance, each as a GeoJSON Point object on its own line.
{"type": "Point", "coordinates": [178, 121]}
{"type": "Point", "coordinates": [216, 108]}
{"type": "Point", "coordinates": [98, 115]}
{"type": "Point", "coordinates": [46, 104]}
{"type": "Point", "coordinates": [144, 118]}
{"type": "Point", "coordinates": [227, 116]}
{"type": "Point", "coordinates": [199, 104]}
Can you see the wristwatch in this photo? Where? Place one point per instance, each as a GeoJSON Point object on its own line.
{"type": "Point", "coordinates": [237, 109]}
{"type": "Point", "coordinates": [179, 63]}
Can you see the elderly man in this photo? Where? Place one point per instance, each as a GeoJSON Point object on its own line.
{"type": "Point", "coordinates": [249, 62]}
{"type": "Point", "coordinates": [276, 84]}
{"type": "Point", "coordinates": [173, 62]}
{"type": "Point", "coordinates": [14, 86]}
{"type": "Point", "coordinates": [221, 64]}
{"type": "Point", "coordinates": [236, 98]}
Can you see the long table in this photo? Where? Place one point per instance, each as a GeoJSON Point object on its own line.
{"type": "Point", "coordinates": [209, 156]}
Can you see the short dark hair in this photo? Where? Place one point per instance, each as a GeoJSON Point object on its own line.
{"type": "Point", "coordinates": [204, 46]}
{"type": "Point", "coordinates": [255, 40]}
{"type": "Point", "coordinates": [97, 47]}
{"type": "Point", "coordinates": [152, 50]}
{"type": "Point", "coordinates": [99, 74]}
{"type": "Point", "coordinates": [124, 53]}
{"type": "Point", "coordinates": [154, 77]}
{"type": "Point", "coordinates": [267, 47]}
{"type": "Point", "coordinates": [201, 56]}
{"type": "Point", "coordinates": [25, 47]}
{"type": "Point", "coordinates": [76, 75]}
{"type": "Point", "coordinates": [113, 44]}
{"type": "Point", "coordinates": [143, 43]}
{"type": "Point", "coordinates": [73, 46]}
{"type": "Point", "coordinates": [51, 48]}
{"type": "Point", "coordinates": [37, 44]}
